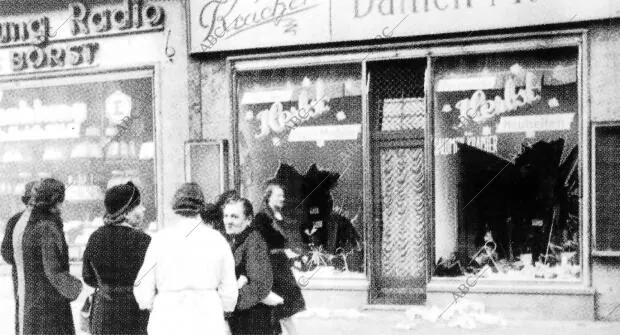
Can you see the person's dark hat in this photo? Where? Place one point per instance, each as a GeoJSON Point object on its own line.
{"type": "Point", "coordinates": [119, 200]}
{"type": "Point", "coordinates": [28, 192]}
{"type": "Point", "coordinates": [47, 193]}
{"type": "Point", "coordinates": [211, 213]}
{"type": "Point", "coordinates": [188, 199]}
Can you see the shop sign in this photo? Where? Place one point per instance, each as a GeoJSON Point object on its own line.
{"type": "Point", "coordinates": [36, 35]}
{"type": "Point", "coordinates": [54, 56]}
{"type": "Point", "coordinates": [238, 24]}
{"type": "Point", "coordinates": [217, 25]}
{"type": "Point", "coordinates": [134, 15]}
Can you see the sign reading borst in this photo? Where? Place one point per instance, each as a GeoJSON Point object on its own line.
{"type": "Point", "coordinates": [218, 25]}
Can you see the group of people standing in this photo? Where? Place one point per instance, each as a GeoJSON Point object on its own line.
{"type": "Point", "coordinates": [214, 268]}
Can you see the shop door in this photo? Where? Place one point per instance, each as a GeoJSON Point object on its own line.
{"type": "Point", "coordinates": [398, 119]}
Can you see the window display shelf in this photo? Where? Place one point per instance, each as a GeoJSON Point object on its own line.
{"type": "Point", "coordinates": [605, 253]}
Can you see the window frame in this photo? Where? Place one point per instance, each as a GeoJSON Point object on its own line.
{"type": "Point", "coordinates": [431, 49]}
{"type": "Point", "coordinates": [595, 251]}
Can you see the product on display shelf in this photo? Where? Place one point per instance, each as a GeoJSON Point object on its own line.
{"type": "Point", "coordinates": [528, 233]}
{"type": "Point", "coordinates": [113, 150]}
{"type": "Point", "coordinates": [122, 177]}
{"type": "Point", "coordinates": [11, 156]}
{"type": "Point", "coordinates": [86, 149]}
{"type": "Point", "coordinates": [54, 153]}
{"type": "Point", "coordinates": [147, 150]}
{"type": "Point", "coordinates": [92, 131]}
{"type": "Point", "coordinates": [82, 189]}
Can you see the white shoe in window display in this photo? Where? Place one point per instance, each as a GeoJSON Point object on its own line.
{"type": "Point", "coordinates": [118, 178]}
{"type": "Point", "coordinates": [12, 156]}
{"type": "Point", "coordinates": [54, 153]}
{"type": "Point", "coordinates": [147, 150]}
{"type": "Point", "coordinates": [93, 132]}
{"type": "Point", "coordinates": [80, 150]}
{"type": "Point", "coordinates": [94, 150]}
{"type": "Point", "coordinates": [113, 150]}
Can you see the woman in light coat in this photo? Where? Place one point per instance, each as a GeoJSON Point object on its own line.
{"type": "Point", "coordinates": [187, 279]}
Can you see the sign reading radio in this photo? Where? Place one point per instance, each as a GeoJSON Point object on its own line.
{"type": "Point", "coordinates": [134, 16]}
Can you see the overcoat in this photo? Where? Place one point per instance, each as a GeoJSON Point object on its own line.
{"type": "Point", "coordinates": [187, 280]}
{"type": "Point", "coordinates": [284, 282]}
{"type": "Point", "coordinates": [252, 260]}
{"type": "Point", "coordinates": [7, 255]}
{"type": "Point", "coordinates": [115, 253]}
{"type": "Point", "coordinates": [45, 287]}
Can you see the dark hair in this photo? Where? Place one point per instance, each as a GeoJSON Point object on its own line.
{"type": "Point", "coordinates": [248, 210]}
{"type": "Point", "coordinates": [222, 198]}
{"type": "Point", "coordinates": [47, 193]}
{"type": "Point", "coordinates": [211, 214]}
{"type": "Point", "coordinates": [269, 187]}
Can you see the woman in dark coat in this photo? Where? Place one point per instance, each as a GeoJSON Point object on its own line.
{"type": "Point", "coordinates": [253, 313]}
{"type": "Point", "coordinates": [269, 223]}
{"type": "Point", "coordinates": [7, 245]}
{"type": "Point", "coordinates": [44, 285]}
{"type": "Point", "coordinates": [112, 259]}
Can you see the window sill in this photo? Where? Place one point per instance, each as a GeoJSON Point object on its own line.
{"type": "Point", "coordinates": [509, 286]}
{"type": "Point", "coordinates": [327, 279]}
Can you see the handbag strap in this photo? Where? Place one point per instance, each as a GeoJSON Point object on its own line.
{"type": "Point", "coordinates": [99, 283]}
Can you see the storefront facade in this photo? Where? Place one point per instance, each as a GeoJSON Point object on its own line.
{"type": "Point", "coordinates": [88, 93]}
{"type": "Point", "coordinates": [429, 150]}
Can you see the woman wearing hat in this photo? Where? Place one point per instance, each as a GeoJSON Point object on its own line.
{"type": "Point", "coordinates": [44, 285]}
{"type": "Point", "coordinates": [188, 276]}
{"type": "Point", "coordinates": [112, 259]}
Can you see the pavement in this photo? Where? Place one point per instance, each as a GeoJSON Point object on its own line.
{"type": "Point", "coordinates": [324, 321]}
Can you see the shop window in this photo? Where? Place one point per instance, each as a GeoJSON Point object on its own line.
{"type": "Point", "coordinates": [506, 166]}
{"type": "Point", "coordinates": [91, 134]}
{"type": "Point", "coordinates": [302, 128]}
{"type": "Point", "coordinates": [607, 189]}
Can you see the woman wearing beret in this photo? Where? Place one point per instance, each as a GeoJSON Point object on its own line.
{"type": "Point", "coordinates": [253, 314]}
{"type": "Point", "coordinates": [45, 287]}
{"type": "Point", "coordinates": [188, 276]}
{"type": "Point", "coordinates": [112, 259]}
{"type": "Point", "coordinates": [269, 223]}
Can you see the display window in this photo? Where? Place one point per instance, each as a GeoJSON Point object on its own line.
{"type": "Point", "coordinates": [91, 134]}
{"type": "Point", "coordinates": [506, 165]}
{"type": "Point", "coordinates": [301, 128]}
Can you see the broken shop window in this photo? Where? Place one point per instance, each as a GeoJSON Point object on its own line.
{"type": "Point", "coordinates": [506, 179]}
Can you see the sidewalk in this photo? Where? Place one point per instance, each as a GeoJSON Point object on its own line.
{"type": "Point", "coordinates": [383, 322]}
{"type": "Point", "coordinates": [323, 321]}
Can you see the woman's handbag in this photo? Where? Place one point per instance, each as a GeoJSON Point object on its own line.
{"type": "Point", "coordinates": [87, 308]}
{"type": "Point", "coordinates": [85, 313]}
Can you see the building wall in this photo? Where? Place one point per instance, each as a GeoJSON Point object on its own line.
{"type": "Point", "coordinates": [604, 71]}
{"type": "Point", "coordinates": [605, 106]}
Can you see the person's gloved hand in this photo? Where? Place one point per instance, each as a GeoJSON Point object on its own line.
{"type": "Point", "coordinates": [242, 281]}
{"type": "Point", "coordinates": [272, 299]}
